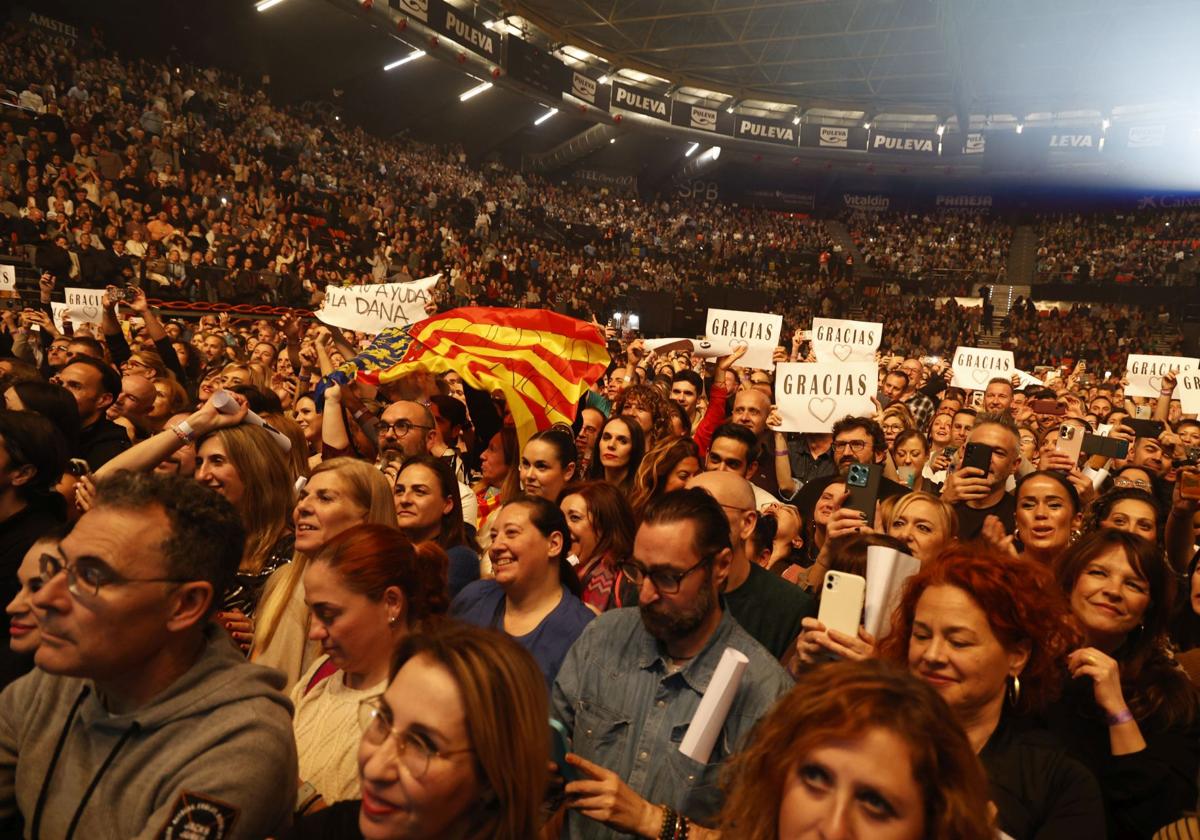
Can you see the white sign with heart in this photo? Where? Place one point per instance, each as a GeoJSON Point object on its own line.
{"type": "Point", "coordinates": [1145, 373]}
{"type": "Point", "coordinates": [758, 332]}
{"type": "Point", "coordinates": [812, 397]}
{"type": "Point", "coordinates": [837, 340]}
{"type": "Point", "coordinates": [974, 367]}
{"type": "Point", "coordinates": [84, 306]}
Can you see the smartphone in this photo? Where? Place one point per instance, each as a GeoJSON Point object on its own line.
{"type": "Point", "coordinates": [560, 745]}
{"type": "Point", "coordinates": [842, 599]}
{"type": "Point", "coordinates": [1047, 407]}
{"type": "Point", "coordinates": [1109, 447]}
{"type": "Point", "coordinates": [977, 455]}
{"type": "Point", "coordinates": [1189, 484]}
{"type": "Point", "coordinates": [862, 483]}
{"type": "Point", "coordinates": [1191, 458]}
{"type": "Point", "coordinates": [1141, 412]}
{"type": "Point", "coordinates": [1070, 440]}
{"type": "Point", "coordinates": [976, 399]}
{"type": "Point", "coordinates": [1144, 428]}
{"type": "Point", "coordinates": [907, 476]}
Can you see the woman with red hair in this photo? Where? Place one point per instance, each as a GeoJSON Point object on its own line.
{"type": "Point", "coordinates": [857, 749]}
{"type": "Point", "coordinates": [990, 634]}
{"type": "Point", "coordinates": [367, 590]}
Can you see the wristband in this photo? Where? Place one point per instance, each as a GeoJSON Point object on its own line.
{"type": "Point", "coordinates": [184, 431]}
{"type": "Point", "coordinates": [779, 453]}
{"type": "Point", "coordinates": [1123, 716]}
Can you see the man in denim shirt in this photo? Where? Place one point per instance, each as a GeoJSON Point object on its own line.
{"type": "Point", "coordinates": [631, 683]}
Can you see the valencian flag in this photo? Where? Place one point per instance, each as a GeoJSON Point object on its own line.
{"type": "Point", "coordinates": [541, 361]}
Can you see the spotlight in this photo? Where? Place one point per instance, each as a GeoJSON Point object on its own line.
{"type": "Point", "coordinates": [714, 152]}
{"type": "Point", "coordinates": [263, 5]}
{"type": "Point", "coordinates": [1020, 127]}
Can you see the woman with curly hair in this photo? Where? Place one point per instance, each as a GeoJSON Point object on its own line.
{"type": "Point", "coordinates": [1130, 713]}
{"type": "Point", "coordinates": [861, 749]}
{"type": "Point", "coordinates": [989, 633]}
{"type": "Point", "coordinates": [647, 405]}
{"type": "Point", "coordinates": [666, 467]}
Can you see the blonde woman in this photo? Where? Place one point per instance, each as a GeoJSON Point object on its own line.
{"type": "Point", "coordinates": [341, 493]}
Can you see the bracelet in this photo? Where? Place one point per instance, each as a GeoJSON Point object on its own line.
{"type": "Point", "coordinates": [1123, 716]}
{"type": "Point", "coordinates": [779, 453]}
{"type": "Point", "coordinates": [683, 825]}
{"type": "Point", "coordinates": [184, 431]}
{"type": "Point", "coordinates": [668, 823]}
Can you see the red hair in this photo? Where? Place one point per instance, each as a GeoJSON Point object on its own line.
{"type": "Point", "coordinates": [1022, 602]}
{"type": "Point", "coordinates": [371, 558]}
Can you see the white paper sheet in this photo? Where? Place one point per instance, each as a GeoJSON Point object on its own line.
{"type": "Point", "coordinates": [887, 570]}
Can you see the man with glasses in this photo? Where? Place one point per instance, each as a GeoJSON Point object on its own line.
{"type": "Point", "coordinates": [631, 683]}
{"type": "Point", "coordinates": [142, 720]}
{"type": "Point", "coordinates": [408, 428]}
{"type": "Point", "coordinates": [856, 440]}
{"type": "Point", "coordinates": [769, 608]}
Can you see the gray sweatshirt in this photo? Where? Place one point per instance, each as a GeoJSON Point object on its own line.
{"type": "Point", "coordinates": [211, 757]}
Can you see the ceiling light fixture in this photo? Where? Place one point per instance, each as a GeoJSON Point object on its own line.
{"type": "Point", "coordinates": [475, 91]}
{"type": "Point", "coordinates": [691, 150]}
{"type": "Point", "coordinates": [545, 116]}
{"type": "Point", "coordinates": [412, 56]}
{"type": "Point", "coordinates": [263, 5]}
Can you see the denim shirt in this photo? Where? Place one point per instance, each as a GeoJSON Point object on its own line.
{"type": "Point", "coordinates": [628, 713]}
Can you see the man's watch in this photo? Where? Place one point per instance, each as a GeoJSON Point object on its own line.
{"type": "Point", "coordinates": [305, 797]}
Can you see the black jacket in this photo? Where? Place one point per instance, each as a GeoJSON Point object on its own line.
{"type": "Point", "coordinates": [102, 441]}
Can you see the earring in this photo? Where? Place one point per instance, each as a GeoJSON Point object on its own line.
{"type": "Point", "coordinates": [1014, 690]}
{"type": "Point", "coordinates": [392, 620]}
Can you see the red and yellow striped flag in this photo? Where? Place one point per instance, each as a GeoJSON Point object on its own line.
{"type": "Point", "coordinates": [543, 362]}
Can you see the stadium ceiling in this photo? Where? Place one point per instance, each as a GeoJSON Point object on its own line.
{"type": "Point", "coordinates": [927, 56]}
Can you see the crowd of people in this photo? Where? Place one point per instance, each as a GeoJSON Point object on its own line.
{"type": "Point", "coordinates": [1148, 247]}
{"type": "Point", "coordinates": [972, 246]}
{"type": "Point", "coordinates": [250, 601]}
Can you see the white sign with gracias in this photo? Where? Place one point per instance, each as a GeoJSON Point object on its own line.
{"type": "Point", "coordinates": [1187, 391]}
{"type": "Point", "coordinates": [974, 367]}
{"type": "Point", "coordinates": [1145, 373]}
{"type": "Point", "coordinates": [835, 340]}
{"type": "Point", "coordinates": [372, 308]}
{"type": "Point", "coordinates": [84, 305]}
{"type": "Point", "coordinates": [812, 397]}
{"type": "Point", "coordinates": [757, 332]}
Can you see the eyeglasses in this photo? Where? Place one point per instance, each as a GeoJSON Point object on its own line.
{"type": "Point", "coordinates": [400, 427]}
{"type": "Point", "coordinates": [375, 720]}
{"type": "Point", "coordinates": [855, 446]}
{"type": "Point", "coordinates": [86, 579]}
{"type": "Point", "coordinates": [665, 581]}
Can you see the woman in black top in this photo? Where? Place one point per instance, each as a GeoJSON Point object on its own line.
{"type": "Point", "coordinates": [988, 632]}
{"type": "Point", "coordinates": [1130, 714]}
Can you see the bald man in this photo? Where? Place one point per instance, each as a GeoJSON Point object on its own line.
{"type": "Point", "coordinates": [751, 408]}
{"type": "Point", "coordinates": [135, 401]}
{"type": "Point", "coordinates": [769, 608]}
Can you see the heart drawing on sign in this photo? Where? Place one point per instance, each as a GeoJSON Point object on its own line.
{"type": "Point", "coordinates": [842, 351]}
{"type": "Point", "coordinates": [822, 407]}
{"type": "Point", "coordinates": [92, 312]}
{"type": "Point", "coordinates": [738, 342]}
{"type": "Point", "coordinates": [980, 376]}
{"type": "Point", "coordinates": [1156, 383]}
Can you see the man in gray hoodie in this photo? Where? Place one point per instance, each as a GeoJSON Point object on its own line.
{"type": "Point", "coordinates": [143, 720]}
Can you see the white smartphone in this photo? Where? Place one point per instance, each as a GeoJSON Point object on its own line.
{"type": "Point", "coordinates": [1141, 412]}
{"type": "Point", "coordinates": [842, 598]}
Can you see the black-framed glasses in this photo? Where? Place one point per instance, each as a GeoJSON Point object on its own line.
{"type": "Point", "coordinates": [666, 581]}
{"type": "Point", "coordinates": [400, 427]}
{"type": "Point", "coordinates": [86, 579]}
{"type": "Point", "coordinates": [855, 446]}
{"type": "Point", "coordinates": [375, 721]}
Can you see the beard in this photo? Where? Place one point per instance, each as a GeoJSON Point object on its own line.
{"type": "Point", "coordinates": [669, 623]}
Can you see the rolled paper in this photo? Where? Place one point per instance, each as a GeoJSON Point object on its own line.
{"type": "Point", "coordinates": [224, 402]}
{"type": "Point", "coordinates": [887, 570]}
{"type": "Point", "coordinates": [709, 719]}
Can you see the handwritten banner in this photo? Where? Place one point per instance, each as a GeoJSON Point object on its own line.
{"type": "Point", "coordinates": [373, 308]}
{"type": "Point", "coordinates": [975, 366]}
{"type": "Point", "coordinates": [836, 340]}
{"type": "Point", "coordinates": [1145, 373]}
{"type": "Point", "coordinates": [8, 278]}
{"type": "Point", "coordinates": [812, 397]}
{"type": "Point", "coordinates": [84, 305]}
{"type": "Point", "coordinates": [757, 332]}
